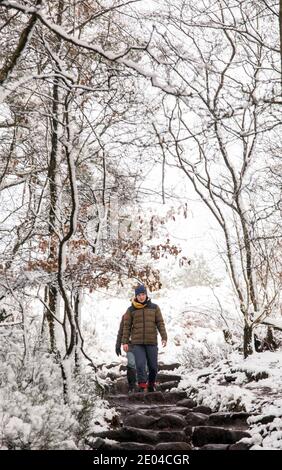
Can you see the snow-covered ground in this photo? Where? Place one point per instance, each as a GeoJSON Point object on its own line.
{"type": "Point", "coordinates": [194, 321]}
{"type": "Point", "coordinates": [253, 385]}
{"type": "Point", "coordinates": [32, 412]}
{"type": "Point", "coordinates": [193, 317]}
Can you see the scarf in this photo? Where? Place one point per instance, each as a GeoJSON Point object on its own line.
{"type": "Point", "coordinates": [138, 305]}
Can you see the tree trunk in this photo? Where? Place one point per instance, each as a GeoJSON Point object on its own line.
{"type": "Point", "coordinates": [280, 33]}
{"type": "Point", "coordinates": [52, 293]}
{"type": "Point", "coordinates": [77, 315]}
{"type": "Point", "coordinates": [248, 340]}
{"type": "Point", "coordinates": [52, 301]}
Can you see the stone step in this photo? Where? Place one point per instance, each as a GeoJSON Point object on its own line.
{"type": "Point", "coordinates": [148, 397]}
{"type": "Point", "coordinates": [161, 366]}
{"type": "Point", "coordinates": [236, 419]}
{"type": "Point", "coordinates": [156, 410]}
{"type": "Point", "coordinates": [102, 444]}
{"type": "Point", "coordinates": [168, 378]}
{"type": "Point", "coordinates": [139, 420]}
{"type": "Point", "coordinates": [164, 382]}
{"type": "Point", "coordinates": [215, 447]}
{"type": "Point", "coordinates": [196, 419]}
{"type": "Point", "coordinates": [173, 446]}
{"type": "Point", "coordinates": [144, 436]}
{"type": "Point", "coordinates": [172, 366]}
{"type": "Point", "coordinates": [134, 446]}
{"type": "Point", "coordinates": [169, 421]}
{"type": "Point", "coordinates": [174, 396]}
{"type": "Point", "coordinates": [173, 408]}
{"type": "Point", "coordinates": [240, 446]}
{"type": "Point", "coordinates": [166, 421]}
{"type": "Point", "coordinates": [203, 435]}
{"type": "Point", "coordinates": [202, 409]}
{"type": "Point", "coordinates": [119, 386]}
{"type": "Point", "coordinates": [161, 377]}
{"type": "Point", "coordinates": [164, 386]}
{"type": "Point", "coordinates": [187, 402]}
{"type": "Point", "coordinates": [152, 397]}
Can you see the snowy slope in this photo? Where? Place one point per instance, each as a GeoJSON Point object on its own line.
{"type": "Point", "coordinates": [192, 316]}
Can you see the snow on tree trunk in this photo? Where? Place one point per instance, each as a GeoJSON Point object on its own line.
{"type": "Point", "coordinates": [248, 347]}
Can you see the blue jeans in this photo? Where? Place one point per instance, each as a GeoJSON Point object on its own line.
{"type": "Point", "coordinates": [130, 360]}
{"type": "Point", "coordinates": [146, 354]}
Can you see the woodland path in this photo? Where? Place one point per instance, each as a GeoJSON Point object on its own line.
{"type": "Point", "coordinates": [167, 419]}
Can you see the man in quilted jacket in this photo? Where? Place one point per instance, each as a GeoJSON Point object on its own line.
{"type": "Point", "coordinates": [142, 322]}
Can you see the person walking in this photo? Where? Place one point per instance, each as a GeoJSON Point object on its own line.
{"type": "Point", "coordinates": [142, 322]}
{"type": "Point", "coordinates": [131, 367]}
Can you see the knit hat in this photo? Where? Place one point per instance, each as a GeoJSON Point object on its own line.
{"type": "Point", "coordinates": [141, 289]}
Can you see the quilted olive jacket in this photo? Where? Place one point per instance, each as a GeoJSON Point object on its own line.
{"type": "Point", "coordinates": [141, 325]}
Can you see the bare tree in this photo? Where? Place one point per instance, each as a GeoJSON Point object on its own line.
{"type": "Point", "coordinates": [225, 58]}
{"type": "Point", "coordinates": [76, 134]}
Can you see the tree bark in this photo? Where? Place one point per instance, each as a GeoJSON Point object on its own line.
{"type": "Point", "coordinates": [53, 292]}
{"type": "Point", "coordinates": [248, 340]}
{"type": "Point", "coordinates": [23, 41]}
{"type": "Point", "coordinates": [280, 34]}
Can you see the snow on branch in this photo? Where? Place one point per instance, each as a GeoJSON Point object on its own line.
{"type": "Point", "coordinates": [120, 58]}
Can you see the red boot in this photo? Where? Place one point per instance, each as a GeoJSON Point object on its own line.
{"type": "Point", "coordinates": [142, 387]}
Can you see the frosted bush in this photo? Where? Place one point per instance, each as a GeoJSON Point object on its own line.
{"type": "Point", "coordinates": [202, 354]}
{"type": "Point", "coordinates": [196, 273]}
{"type": "Point", "coordinates": [33, 414]}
